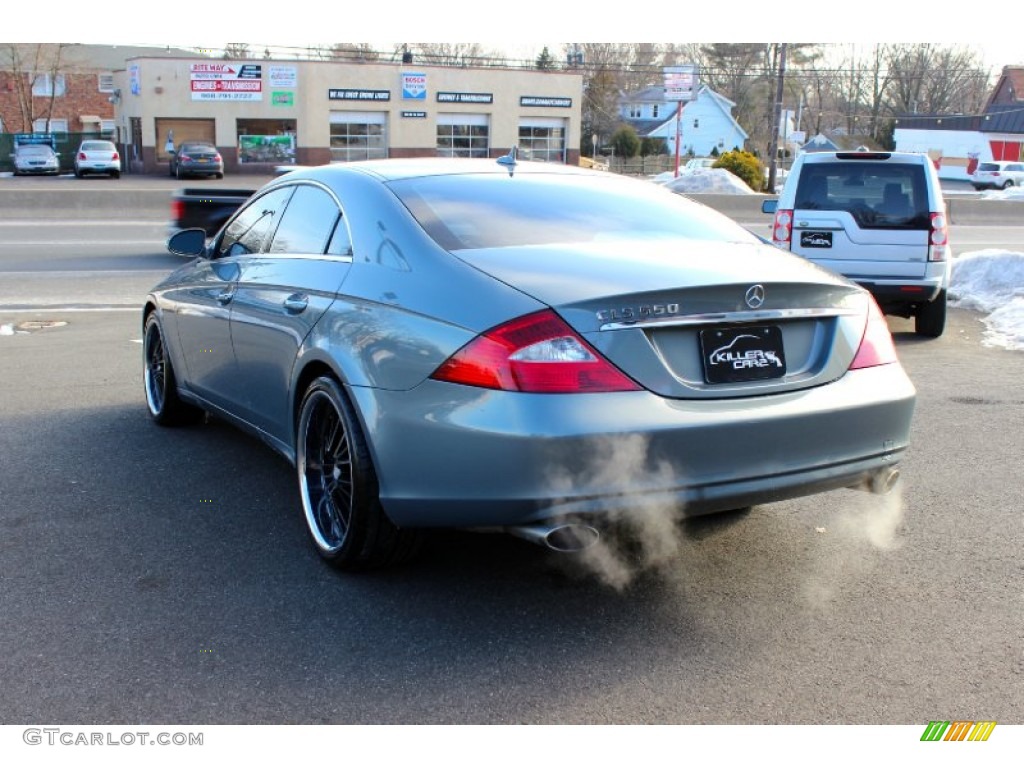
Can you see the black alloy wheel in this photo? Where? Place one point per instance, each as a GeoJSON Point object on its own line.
{"type": "Point", "coordinates": [165, 406]}
{"type": "Point", "coordinates": [338, 486]}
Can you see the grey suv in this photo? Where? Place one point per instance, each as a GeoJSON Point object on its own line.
{"type": "Point", "coordinates": [877, 218]}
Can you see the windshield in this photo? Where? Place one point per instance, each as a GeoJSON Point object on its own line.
{"type": "Point", "coordinates": [495, 211]}
{"type": "Point", "coordinates": [95, 146]}
{"type": "Point", "coordinates": [36, 150]}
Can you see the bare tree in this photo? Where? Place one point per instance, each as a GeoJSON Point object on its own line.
{"type": "Point", "coordinates": [932, 79]}
{"type": "Point", "coordinates": [354, 52]}
{"type": "Point", "coordinates": [32, 65]}
{"type": "Point", "coordinates": [455, 54]}
{"type": "Point", "coordinates": [236, 51]}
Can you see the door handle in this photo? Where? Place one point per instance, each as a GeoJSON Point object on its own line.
{"type": "Point", "coordinates": [225, 297]}
{"type": "Point", "coordinates": [296, 303]}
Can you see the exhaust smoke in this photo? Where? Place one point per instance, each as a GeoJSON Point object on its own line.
{"type": "Point", "coordinates": [631, 542]}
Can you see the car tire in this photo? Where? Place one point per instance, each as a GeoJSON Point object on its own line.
{"type": "Point", "coordinates": [165, 406]}
{"type": "Point", "coordinates": [218, 175]}
{"type": "Point", "coordinates": [78, 174]}
{"type": "Point", "coordinates": [930, 319]}
{"type": "Point", "coordinates": [177, 172]}
{"type": "Point", "coordinates": [170, 169]}
{"type": "Point", "coordinates": [1008, 184]}
{"type": "Point", "coordinates": [338, 486]}
{"type": "Point", "coordinates": [115, 174]}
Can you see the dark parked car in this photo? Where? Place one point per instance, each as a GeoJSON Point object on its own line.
{"type": "Point", "coordinates": [196, 158]}
{"type": "Point", "coordinates": [533, 348]}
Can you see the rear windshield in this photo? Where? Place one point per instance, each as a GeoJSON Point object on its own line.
{"type": "Point", "coordinates": [988, 167]}
{"type": "Point", "coordinates": [197, 148]}
{"type": "Point", "coordinates": [35, 150]}
{"type": "Point", "coordinates": [496, 211]}
{"type": "Point", "coordinates": [97, 146]}
{"type": "Point", "coordinates": [877, 195]}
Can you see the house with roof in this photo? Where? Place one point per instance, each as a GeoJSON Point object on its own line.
{"type": "Point", "coordinates": [706, 126]}
{"type": "Point", "coordinates": [957, 143]}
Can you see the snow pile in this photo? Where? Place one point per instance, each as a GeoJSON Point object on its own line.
{"type": "Point", "coordinates": [706, 180]}
{"type": "Point", "coordinates": [992, 281]}
{"type": "Point", "coordinates": [1010, 193]}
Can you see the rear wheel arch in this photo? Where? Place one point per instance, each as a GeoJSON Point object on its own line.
{"type": "Point", "coordinates": [311, 371]}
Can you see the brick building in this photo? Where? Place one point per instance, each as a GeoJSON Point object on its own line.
{"type": "Point", "coordinates": [66, 89]}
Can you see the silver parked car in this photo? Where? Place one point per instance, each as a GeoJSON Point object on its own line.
{"type": "Point", "coordinates": [528, 347]}
{"type": "Point", "coordinates": [98, 156]}
{"type": "Point", "coordinates": [35, 159]}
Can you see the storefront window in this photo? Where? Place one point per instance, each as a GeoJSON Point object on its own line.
{"type": "Point", "coordinates": [543, 141]}
{"type": "Point", "coordinates": [266, 141]}
{"type": "Point", "coordinates": [462, 136]}
{"type": "Point", "coordinates": [358, 137]}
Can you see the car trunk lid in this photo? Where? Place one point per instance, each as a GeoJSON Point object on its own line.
{"type": "Point", "coordinates": [695, 319]}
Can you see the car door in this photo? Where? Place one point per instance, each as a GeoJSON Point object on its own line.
{"type": "Point", "coordinates": [202, 304]}
{"type": "Point", "coordinates": [281, 295]}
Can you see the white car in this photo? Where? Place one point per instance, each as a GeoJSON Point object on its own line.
{"type": "Point", "coordinates": [999, 174]}
{"type": "Point", "coordinates": [877, 218]}
{"type": "Point", "coordinates": [97, 156]}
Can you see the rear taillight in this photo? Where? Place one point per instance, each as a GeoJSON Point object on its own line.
{"type": "Point", "coordinates": [938, 238]}
{"type": "Point", "coordinates": [81, 155]}
{"type": "Point", "coordinates": [216, 158]}
{"type": "Point", "coordinates": [535, 353]}
{"type": "Point", "coordinates": [876, 347]}
{"type": "Point", "coordinates": [116, 156]}
{"type": "Point", "coordinates": [184, 157]}
{"type": "Point", "coordinates": [177, 210]}
{"type": "Point", "coordinates": [782, 229]}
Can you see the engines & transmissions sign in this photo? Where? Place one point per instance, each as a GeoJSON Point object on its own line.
{"type": "Point", "coordinates": [226, 82]}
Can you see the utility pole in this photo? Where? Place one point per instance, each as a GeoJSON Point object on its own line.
{"type": "Point", "coordinates": [773, 149]}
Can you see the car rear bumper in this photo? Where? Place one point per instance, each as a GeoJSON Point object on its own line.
{"type": "Point", "coordinates": [99, 167]}
{"type": "Point", "coordinates": [201, 170]}
{"type": "Point", "coordinates": [890, 293]}
{"type": "Point", "coordinates": [448, 455]}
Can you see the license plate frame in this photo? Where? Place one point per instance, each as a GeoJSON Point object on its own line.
{"type": "Point", "coordinates": [815, 239]}
{"type": "Point", "coordinates": [741, 354]}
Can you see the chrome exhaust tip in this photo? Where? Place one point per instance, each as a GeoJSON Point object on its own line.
{"type": "Point", "coordinates": [558, 537]}
{"type": "Point", "coordinates": [882, 481]}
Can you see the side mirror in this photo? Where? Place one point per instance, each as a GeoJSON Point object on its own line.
{"type": "Point", "coordinates": [769, 206]}
{"type": "Point", "coordinates": [188, 242]}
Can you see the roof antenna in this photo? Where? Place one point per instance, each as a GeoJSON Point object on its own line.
{"type": "Point", "coordinates": [509, 160]}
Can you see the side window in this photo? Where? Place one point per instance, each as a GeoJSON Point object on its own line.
{"type": "Point", "coordinates": [250, 228]}
{"type": "Point", "coordinates": [308, 222]}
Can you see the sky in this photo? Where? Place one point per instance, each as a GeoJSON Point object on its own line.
{"type": "Point", "coordinates": [517, 28]}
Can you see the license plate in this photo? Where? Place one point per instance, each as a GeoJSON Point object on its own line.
{"type": "Point", "coordinates": [742, 354]}
{"type": "Point", "coordinates": [816, 239]}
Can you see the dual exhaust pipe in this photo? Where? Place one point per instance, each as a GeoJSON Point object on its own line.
{"type": "Point", "coordinates": [567, 537]}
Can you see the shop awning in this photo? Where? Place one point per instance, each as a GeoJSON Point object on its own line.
{"type": "Point", "coordinates": [86, 119]}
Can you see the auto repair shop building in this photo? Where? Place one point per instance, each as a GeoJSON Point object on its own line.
{"type": "Point", "coordinates": [263, 114]}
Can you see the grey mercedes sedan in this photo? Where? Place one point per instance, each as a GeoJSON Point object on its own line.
{"type": "Point", "coordinates": [526, 347]}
